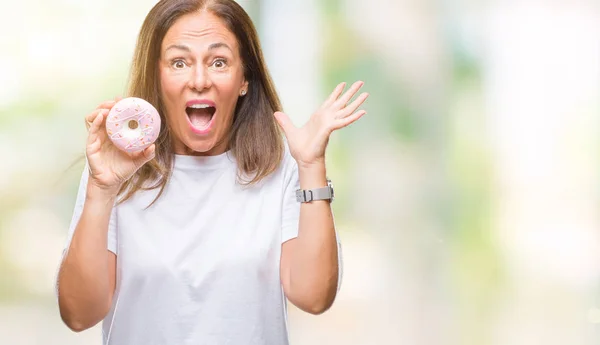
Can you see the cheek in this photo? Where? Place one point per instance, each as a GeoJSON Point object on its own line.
{"type": "Point", "coordinates": [223, 82]}
{"type": "Point", "coordinates": [171, 85]}
{"type": "Point", "coordinates": [165, 88]}
{"type": "Point", "coordinates": [229, 83]}
{"type": "Point", "coordinates": [170, 89]}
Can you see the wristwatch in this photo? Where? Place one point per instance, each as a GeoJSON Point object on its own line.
{"type": "Point", "coordinates": [308, 195]}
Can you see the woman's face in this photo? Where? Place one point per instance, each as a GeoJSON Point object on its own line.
{"type": "Point", "coordinates": [201, 78]}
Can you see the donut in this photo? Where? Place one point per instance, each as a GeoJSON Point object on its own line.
{"type": "Point", "coordinates": [132, 124]}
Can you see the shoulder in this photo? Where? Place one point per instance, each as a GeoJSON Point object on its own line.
{"type": "Point", "coordinates": [286, 170]}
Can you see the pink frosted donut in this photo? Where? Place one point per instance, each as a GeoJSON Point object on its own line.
{"type": "Point", "coordinates": [132, 124]}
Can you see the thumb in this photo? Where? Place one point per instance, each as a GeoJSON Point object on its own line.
{"type": "Point", "coordinates": [285, 122]}
{"type": "Point", "coordinates": [145, 156]}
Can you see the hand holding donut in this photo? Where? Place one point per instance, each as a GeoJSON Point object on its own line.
{"type": "Point", "coordinates": [120, 141]}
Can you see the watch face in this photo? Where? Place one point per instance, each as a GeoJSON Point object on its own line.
{"type": "Point", "coordinates": [331, 188]}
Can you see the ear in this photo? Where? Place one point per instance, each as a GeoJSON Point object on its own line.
{"type": "Point", "coordinates": [245, 85]}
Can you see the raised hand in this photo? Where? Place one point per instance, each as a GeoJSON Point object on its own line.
{"type": "Point", "coordinates": [308, 143]}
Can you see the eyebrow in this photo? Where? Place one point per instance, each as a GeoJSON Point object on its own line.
{"type": "Point", "coordinates": [187, 49]}
{"type": "Point", "coordinates": [218, 45]}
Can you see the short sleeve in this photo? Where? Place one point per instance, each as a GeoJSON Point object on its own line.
{"type": "Point", "coordinates": [291, 207]}
{"type": "Point", "coordinates": [78, 209]}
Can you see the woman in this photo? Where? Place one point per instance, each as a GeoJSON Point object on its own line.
{"type": "Point", "coordinates": [205, 232]}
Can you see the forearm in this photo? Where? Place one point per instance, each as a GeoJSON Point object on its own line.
{"type": "Point", "coordinates": [314, 264]}
{"type": "Point", "coordinates": [309, 263]}
{"type": "Point", "coordinates": [83, 281]}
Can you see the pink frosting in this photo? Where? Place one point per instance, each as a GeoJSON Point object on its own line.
{"type": "Point", "coordinates": [147, 124]}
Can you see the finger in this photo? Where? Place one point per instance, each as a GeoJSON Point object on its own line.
{"type": "Point", "coordinates": [107, 104]}
{"type": "Point", "coordinates": [284, 122]}
{"type": "Point", "coordinates": [144, 156]}
{"type": "Point", "coordinates": [335, 94]}
{"type": "Point", "coordinates": [346, 97]}
{"type": "Point", "coordinates": [94, 147]}
{"type": "Point", "coordinates": [95, 129]}
{"type": "Point", "coordinates": [91, 116]}
{"type": "Point", "coordinates": [350, 119]}
{"type": "Point", "coordinates": [351, 108]}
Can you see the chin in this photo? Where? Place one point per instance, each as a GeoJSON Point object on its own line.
{"type": "Point", "coordinates": [199, 146]}
{"type": "Point", "coordinates": [202, 146]}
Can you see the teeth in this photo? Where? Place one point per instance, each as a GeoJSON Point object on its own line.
{"type": "Point", "coordinates": [199, 106]}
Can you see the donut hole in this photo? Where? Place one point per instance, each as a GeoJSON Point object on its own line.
{"type": "Point", "coordinates": [133, 124]}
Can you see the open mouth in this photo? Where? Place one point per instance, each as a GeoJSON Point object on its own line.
{"type": "Point", "coordinates": [200, 116]}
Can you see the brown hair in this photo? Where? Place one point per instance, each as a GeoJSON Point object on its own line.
{"type": "Point", "coordinates": [254, 138]}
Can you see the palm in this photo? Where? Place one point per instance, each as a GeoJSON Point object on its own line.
{"type": "Point", "coordinates": [308, 143]}
{"type": "Point", "coordinates": [110, 165]}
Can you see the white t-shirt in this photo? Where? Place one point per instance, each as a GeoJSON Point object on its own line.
{"type": "Point", "coordinates": [201, 266]}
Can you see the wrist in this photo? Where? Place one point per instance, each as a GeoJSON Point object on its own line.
{"type": "Point", "coordinates": [312, 175]}
{"type": "Point", "coordinates": [100, 193]}
{"type": "Point", "coordinates": [318, 163]}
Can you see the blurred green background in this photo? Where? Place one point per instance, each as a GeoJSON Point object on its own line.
{"type": "Point", "coordinates": [467, 198]}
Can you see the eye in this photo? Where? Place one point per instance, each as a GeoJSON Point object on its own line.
{"type": "Point", "coordinates": [178, 64]}
{"type": "Point", "coordinates": [219, 63]}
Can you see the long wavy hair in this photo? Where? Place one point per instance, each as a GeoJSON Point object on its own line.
{"type": "Point", "coordinates": [254, 139]}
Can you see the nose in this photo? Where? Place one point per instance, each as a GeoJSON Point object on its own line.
{"type": "Point", "coordinates": [200, 79]}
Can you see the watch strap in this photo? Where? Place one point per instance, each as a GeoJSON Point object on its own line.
{"type": "Point", "coordinates": [308, 195]}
